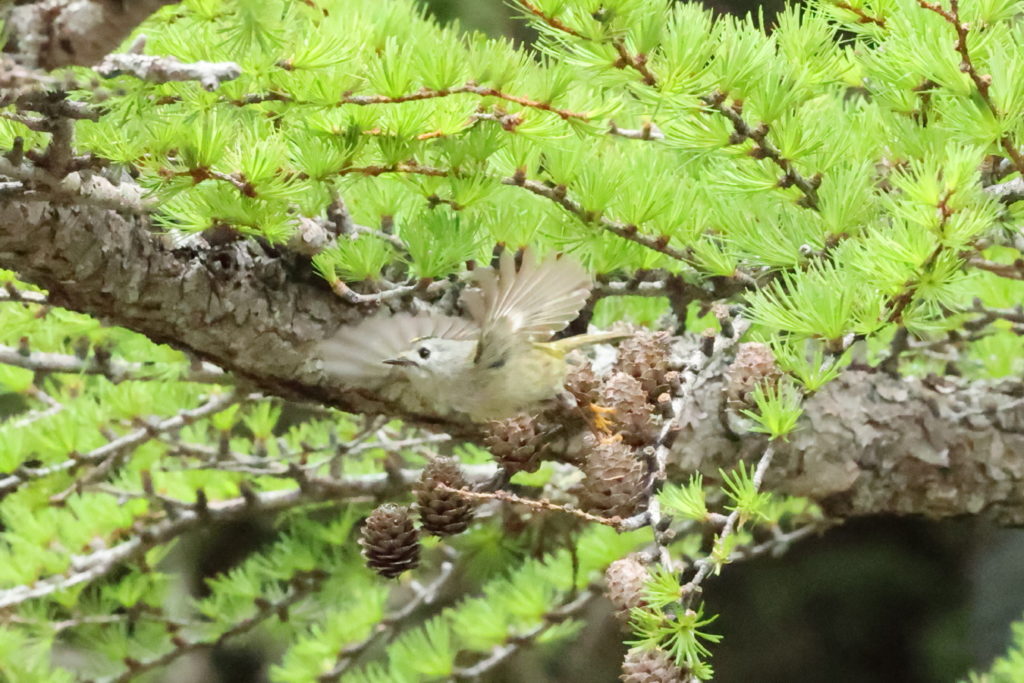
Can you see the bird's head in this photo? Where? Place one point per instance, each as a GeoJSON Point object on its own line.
{"type": "Point", "coordinates": [433, 357]}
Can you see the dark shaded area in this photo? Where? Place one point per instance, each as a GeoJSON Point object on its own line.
{"type": "Point", "coordinates": [884, 599]}
{"type": "Point", "coordinates": [874, 600]}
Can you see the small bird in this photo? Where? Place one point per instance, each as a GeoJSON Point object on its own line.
{"type": "Point", "coordinates": [496, 363]}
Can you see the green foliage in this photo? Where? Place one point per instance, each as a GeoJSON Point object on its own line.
{"type": "Point", "coordinates": [739, 486]}
{"type": "Point", "coordinates": [688, 501]}
{"type": "Point", "coordinates": [825, 170]}
{"type": "Point", "coordinates": [662, 622]}
{"type": "Point", "coordinates": [779, 407]}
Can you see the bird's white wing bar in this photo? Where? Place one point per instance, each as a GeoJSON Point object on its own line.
{"type": "Point", "coordinates": [355, 354]}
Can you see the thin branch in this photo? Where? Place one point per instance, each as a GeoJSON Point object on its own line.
{"type": "Point", "coordinates": [1011, 271]}
{"type": "Point", "coordinates": [302, 584]}
{"type": "Point", "coordinates": [114, 370]}
{"type": "Point", "coordinates": [118, 446]}
{"type": "Point", "coordinates": [53, 406]}
{"type": "Point", "coordinates": [624, 230]}
{"type": "Point", "coordinates": [708, 564]}
{"type": "Point", "coordinates": [981, 81]}
{"type": "Point", "coordinates": [764, 148]}
{"type": "Point", "coordinates": [637, 62]}
{"type": "Point", "coordinates": [403, 167]}
{"type": "Point", "coordinates": [516, 642]}
{"type": "Point", "coordinates": [385, 629]}
{"type": "Point", "coordinates": [80, 187]}
{"type": "Point", "coordinates": [10, 292]}
{"type": "Point", "coordinates": [188, 516]}
{"type": "Point", "coordinates": [469, 87]}
{"type": "Point", "coordinates": [780, 541]}
{"type": "Point", "coordinates": [551, 21]}
{"type": "Point", "coordinates": [649, 131]}
{"type": "Point", "coordinates": [1009, 192]}
{"type": "Point", "coordinates": [165, 69]}
{"type": "Point", "coordinates": [862, 16]}
{"type": "Point", "coordinates": [540, 505]}
{"type": "Point", "coordinates": [990, 315]}
{"type": "Point", "coordinates": [424, 288]}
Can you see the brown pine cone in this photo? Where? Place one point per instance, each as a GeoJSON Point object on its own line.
{"type": "Point", "coordinates": [443, 512]}
{"type": "Point", "coordinates": [632, 413]}
{"type": "Point", "coordinates": [613, 483]}
{"type": "Point", "coordinates": [514, 444]}
{"type": "Point", "coordinates": [754, 364]}
{"type": "Point", "coordinates": [650, 666]}
{"type": "Point", "coordinates": [584, 384]}
{"type": "Point", "coordinates": [645, 357]}
{"type": "Point", "coordinates": [389, 540]}
{"type": "Point", "coordinates": [624, 585]}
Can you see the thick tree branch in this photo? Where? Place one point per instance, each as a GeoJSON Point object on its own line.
{"type": "Point", "coordinates": [869, 443]}
{"type": "Point", "coordinates": [873, 444]}
{"type": "Point", "coordinates": [48, 34]}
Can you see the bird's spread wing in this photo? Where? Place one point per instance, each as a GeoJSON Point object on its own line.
{"type": "Point", "coordinates": [531, 303]}
{"type": "Point", "coordinates": [355, 354]}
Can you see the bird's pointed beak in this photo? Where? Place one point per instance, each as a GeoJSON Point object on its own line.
{"type": "Point", "coordinates": [399, 361]}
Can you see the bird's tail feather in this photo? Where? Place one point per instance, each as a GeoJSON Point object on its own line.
{"type": "Point", "coordinates": [569, 343]}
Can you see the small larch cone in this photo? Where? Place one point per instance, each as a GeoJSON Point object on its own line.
{"type": "Point", "coordinates": [624, 585]}
{"type": "Point", "coordinates": [443, 512]}
{"type": "Point", "coordinates": [650, 666]}
{"type": "Point", "coordinates": [645, 356]}
{"type": "Point", "coordinates": [390, 541]}
{"type": "Point", "coordinates": [584, 384]}
{"type": "Point", "coordinates": [613, 483]}
{"type": "Point", "coordinates": [754, 364]}
{"type": "Point", "coordinates": [632, 417]}
{"type": "Point", "coordinates": [514, 444]}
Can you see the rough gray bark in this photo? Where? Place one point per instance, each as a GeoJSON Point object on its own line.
{"type": "Point", "coordinates": [868, 444]}
{"type": "Point", "coordinates": [47, 34]}
{"type": "Point", "coordinates": [236, 305]}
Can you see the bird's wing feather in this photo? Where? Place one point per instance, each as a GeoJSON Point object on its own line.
{"type": "Point", "coordinates": [531, 303]}
{"type": "Point", "coordinates": [355, 354]}
{"type": "Point", "coordinates": [516, 307]}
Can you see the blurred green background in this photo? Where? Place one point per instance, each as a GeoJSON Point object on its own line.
{"type": "Point", "coordinates": [880, 599]}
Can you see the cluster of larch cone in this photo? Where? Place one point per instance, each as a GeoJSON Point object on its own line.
{"type": "Point", "coordinates": [630, 402]}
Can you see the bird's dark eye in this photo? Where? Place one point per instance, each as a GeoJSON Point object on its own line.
{"type": "Point", "coordinates": [424, 352]}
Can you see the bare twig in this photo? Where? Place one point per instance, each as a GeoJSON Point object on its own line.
{"type": "Point", "coordinates": [80, 186]}
{"type": "Point", "coordinates": [649, 131]}
{"type": "Point", "coordinates": [1009, 192]}
{"type": "Point", "coordinates": [989, 315]}
{"type": "Point", "coordinates": [425, 289]}
{"type": "Point", "coordinates": [165, 69]}
{"type": "Point", "coordinates": [9, 292]}
{"type": "Point", "coordinates": [114, 370]}
{"type": "Point", "coordinates": [541, 505]}
{"type": "Point", "coordinates": [1011, 271]}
